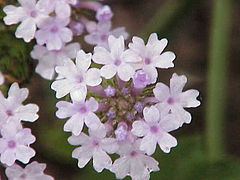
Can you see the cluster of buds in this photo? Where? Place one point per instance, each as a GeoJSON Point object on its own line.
{"type": "Point", "coordinates": [123, 108]}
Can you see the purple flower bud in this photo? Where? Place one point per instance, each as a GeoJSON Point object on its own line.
{"type": "Point", "coordinates": [104, 13]}
{"type": "Point", "coordinates": [130, 116]}
{"type": "Point", "coordinates": [141, 79]}
{"type": "Point", "coordinates": [76, 27]}
{"type": "Point", "coordinates": [111, 114]}
{"type": "Point", "coordinates": [121, 132]}
{"type": "Point", "coordinates": [139, 107]}
{"type": "Point", "coordinates": [110, 91]}
{"type": "Point", "coordinates": [125, 91]}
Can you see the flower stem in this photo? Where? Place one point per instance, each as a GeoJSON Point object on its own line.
{"type": "Point", "coordinates": [217, 79]}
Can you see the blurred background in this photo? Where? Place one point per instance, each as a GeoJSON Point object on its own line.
{"type": "Point", "coordinates": [205, 36]}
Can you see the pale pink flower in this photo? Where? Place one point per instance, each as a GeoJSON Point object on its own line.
{"type": "Point", "coordinates": [54, 33]}
{"type": "Point", "coordinates": [151, 55]}
{"type": "Point", "coordinates": [104, 13]}
{"type": "Point", "coordinates": [173, 100]}
{"type": "Point", "coordinates": [62, 8]}
{"type": "Point", "coordinates": [95, 146]}
{"type": "Point", "coordinates": [12, 108]}
{"type": "Point", "coordinates": [133, 162]}
{"type": "Point", "coordinates": [14, 144]}
{"type": "Point", "coordinates": [76, 77]}
{"type": "Point", "coordinates": [33, 171]}
{"type": "Point", "coordinates": [154, 130]}
{"type": "Point", "coordinates": [80, 113]}
{"type": "Point", "coordinates": [31, 14]}
{"type": "Point", "coordinates": [99, 33]}
{"type": "Point", "coordinates": [116, 60]}
{"type": "Point", "coordinates": [48, 60]}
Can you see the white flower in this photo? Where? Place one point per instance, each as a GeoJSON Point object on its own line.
{"type": "Point", "coordinates": [151, 55]}
{"type": "Point", "coordinates": [173, 100]}
{"type": "Point", "coordinates": [76, 77]}
{"type": "Point", "coordinates": [116, 60]}
{"type": "Point", "coordinates": [31, 14]}
{"type": "Point", "coordinates": [12, 108]}
{"type": "Point", "coordinates": [54, 33]}
{"type": "Point", "coordinates": [33, 171]}
{"type": "Point", "coordinates": [99, 33]}
{"type": "Point", "coordinates": [155, 130]}
{"type": "Point", "coordinates": [1, 78]}
{"type": "Point", "coordinates": [79, 112]}
{"type": "Point", "coordinates": [95, 146]}
{"type": "Point", "coordinates": [14, 144]}
{"type": "Point", "coordinates": [48, 60]}
{"type": "Point", "coordinates": [133, 162]}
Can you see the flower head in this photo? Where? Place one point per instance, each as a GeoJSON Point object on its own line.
{"type": "Point", "coordinates": [31, 171]}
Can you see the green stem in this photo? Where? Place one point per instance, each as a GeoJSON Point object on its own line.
{"type": "Point", "coordinates": [217, 73]}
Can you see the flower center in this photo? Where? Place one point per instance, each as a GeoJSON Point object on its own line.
{"type": "Point", "coordinates": [133, 154]}
{"type": "Point", "coordinates": [104, 37]}
{"type": "Point", "coordinates": [95, 143]}
{"type": "Point", "coordinates": [54, 29]}
{"type": "Point", "coordinates": [11, 144]}
{"type": "Point", "coordinates": [154, 129]}
{"type": "Point", "coordinates": [33, 14]}
{"type": "Point", "coordinates": [82, 109]}
{"type": "Point", "coordinates": [170, 101]}
{"type": "Point", "coordinates": [117, 62]}
{"type": "Point", "coordinates": [9, 113]}
{"type": "Point", "coordinates": [23, 176]}
{"type": "Point", "coordinates": [147, 61]}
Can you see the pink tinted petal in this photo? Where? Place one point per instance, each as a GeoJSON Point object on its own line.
{"type": "Point", "coordinates": [137, 45]}
{"type": "Point", "coordinates": [108, 71]}
{"type": "Point", "coordinates": [156, 45]}
{"type": "Point", "coordinates": [13, 171]}
{"type": "Point", "coordinates": [92, 121]}
{"type": "Point", "coordinates": [28, 112]}
{"type": "Point", "coordinates": [25, 137]}
{"type": "Point", "coordinates": [121, 167]}
{"type": "Point", "coordinates": [79, 93]}
{"type": "Point", "coordinates": [151, 114]}
{"type": "Point", "coordinates": [83, 60]}
{"type": "Point", "coordinates": [63, 10]}
{"type": "Point", "coordinates": [189, 98]}
{"type": "Point", "coordinates": [152, 73]}
{"type": "Point", "coordinates": [101, 56]}
{"type": "Point", "coordinates": [66, 35]}
{"type": "Point", "coordinates": [14, 14]}
{"type": "Point", "coordinates": [181, 115]}
{"type": "Point", "coordinates": [116, 45]}
{"type": "Point", "coordinates": [161, 92]}
{"type": "Point", "coordinates": [81, 139]}
{"type": "Point", "coordinates": [165, 60]}
{"type": "Point", "coordinates": [83, 154]}
{"type": "Point", "coordinates": [120, 31]}
{"type": "Point", "coordinates": [72, 49]}
{"type": "Point", "coordinates": [8, 157]}
{"type": "Point", "coordinates": [109, 145]}
{"type": "Point", "coordinates": [26, 30]}
{"type": "Point", "coordinates": [64, 109]}
{"type": "Point", "coordinates": [101, 160]}
{"type": "Point", "coordinates": [93, 77]}
{"type": "Point", "coordinates": [35, 168]}
{"type": "Point", "coordinates": [3, 145]}
{"type": "Point", "coordinates": [130, 57]}
{"type": "Point", "coordinates": [19, 94]}
{"type": "Point", "coordinates": [140, 128]}
{"type": "Point", "coordinates": [24, 154]}
{"type": "Point", "coordinates": [125, 72]}
{"type": "Point", "coordinates": [62, 87]}
{"type": "Point", "coordinates": [92, 104]}
{"type": "Point", "coordinates": [177, 83]}
{"type": "Point", "coordinates": [166, 142]}
{"type": "Point", "coordinates": [54, 43]}
{"type": "Point", "coordinates": [99, 133]}
{"type": "Point", "coordinates": [74, 125]}
{"type": "Point", "coordinates": [148, 144]}
{"type": "Point", "coordinates": [169, 123]}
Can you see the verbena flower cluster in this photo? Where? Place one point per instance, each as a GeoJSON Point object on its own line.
{"type": "Point", "coordinates": [124, 112]}
{"type": "Point", "coordinates": [54, 23]}
{"type": "Point", "coordinates": [113, 101]}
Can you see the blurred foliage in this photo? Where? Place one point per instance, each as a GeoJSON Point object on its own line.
{"type": "Point", "coordinates": [14, 55]}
